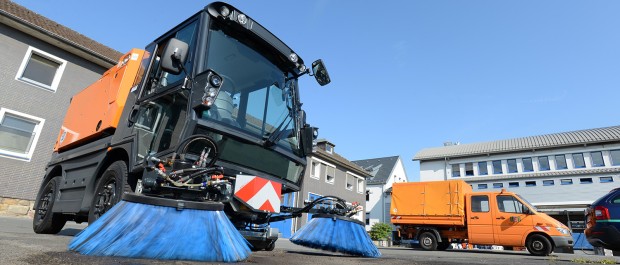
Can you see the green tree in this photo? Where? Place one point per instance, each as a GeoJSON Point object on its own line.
{"type": "Point", "coordinates": [380, 231]}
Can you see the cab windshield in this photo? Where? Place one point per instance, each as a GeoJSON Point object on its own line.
{"type": "Point", "coordinates": [256, 96]}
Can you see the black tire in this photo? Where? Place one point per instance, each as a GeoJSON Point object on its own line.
{"type": "Point", "coordinates": [428, 241]}
{"type": "Point", "coordinates": [444, 244]}
{"type": "Point", "coordinates": [109, 190]}
{"type": "Point", "coordinates": [538, 245]}
{"type": "Point", "coordinates": [271, 246]}
{"type": "Point", "coordinates": [46, 222]}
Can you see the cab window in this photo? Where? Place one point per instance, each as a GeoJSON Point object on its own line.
{"type": "Point", "coordinates": [509, 204]}
{"type": "Point", "coordinates": [160, 80]}
{"type": "Point", "coordinates": [479, 203]}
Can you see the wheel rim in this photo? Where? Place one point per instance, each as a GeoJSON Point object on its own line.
{"type": "Point", "coordinates": [427, 241]}
{"type": "Point", "coordinates": [537, 245]}
{"type": "Point", "coordinates": [44, 203]}
{"type": "Point", "coordinates": [106, 198]}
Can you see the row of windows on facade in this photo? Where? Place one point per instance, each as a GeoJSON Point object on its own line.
{"type": "Point", "coordinates": [19, 132]}
{"type": "Point", "coordinates": [548, 182]}
{"type": "Point", "coordinates": [319, 169]}
{"type": "Point", "coordinates": [527, 165]}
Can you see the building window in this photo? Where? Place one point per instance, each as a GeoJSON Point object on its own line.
{"type": "Point", "coordinates": [530, 183]}
{"type": "Point", "coordinates": [512, 165]}
{"type": "Point", "coordinates": [543, 163]}
{"type": "Point", "coordinates": [315, 170]}
{"type": "Point", "coordinates": [456, 170]}
{"type": "Point", "coordinates": [566, 182]}
{"type": "Point", "coordinates": [585, 180]}
{"type": "Point", "coordinates": [549, 182]}
{"type": "Point", "coordinates": [513, 184]}
{"type": "Point", "coordinates": [360, 185]}
{"type": "Point", "coordinates": [19, 134]}
{"type": "Point", "coordinates": [41, 69]}
{"type": "Point", "coordinates": [498, 185]}
{"type": "Point", "coordinates": [482, 186]}
{"type": "Point", "coordinates": [497, 167]}
{"type": "Point", "coordinates": [578, 161]}
{"type": "Point", "coordinates": [597, 159]}
{"type": "Point", "coordinates": [606, 179]}
{"type": "Point", "coordinates": [615, 157]}
{"type": "Point", "coordinates": [527, 164]}
{"type": "Point", "coordinates": [367, 197]}
{"type": "Point", "coordinates": [482, 168]}
{"type": "Point", "coordinates": [329, 148]}
{"type": "Point", "coordinates": [350, 181]}
{"type": "Point", "coordinates": [560, 162]}
{"type": "Point", "coordinates": [469, 169]}
{"type": "Point", "coordinates": [330, 174]}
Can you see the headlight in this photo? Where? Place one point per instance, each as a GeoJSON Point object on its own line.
{"type": "Point", "coordinates": [563, 230]}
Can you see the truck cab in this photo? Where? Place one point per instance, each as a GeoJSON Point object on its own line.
{"type": "Point", "coordinates": [506, 219]}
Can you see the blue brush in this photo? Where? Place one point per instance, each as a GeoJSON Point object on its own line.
{"type": "Point", "coordinates": [157, 228]}
{"type": "Point", "coordinates": [337, 234]}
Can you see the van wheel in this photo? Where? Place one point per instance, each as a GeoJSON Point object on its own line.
{"type": "Point", "coordinates": [109, 190]}
{"type": "Point", "coordinates": [45, 221]}
{"type": "Point", "coordinates": [428, 241]}
{"type": "Point", "coordinates": [443, 245]}
{"type": "Point", "coordinates": [538, 245]}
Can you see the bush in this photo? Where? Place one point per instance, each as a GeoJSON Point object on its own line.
{"type": "Point", "coordinates": [380, 231]}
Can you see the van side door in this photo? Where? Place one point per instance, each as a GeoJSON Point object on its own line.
{"type": "Point", "coordinates": [510, 223]}
{"type": "Point", "coordinates": [479, 219]}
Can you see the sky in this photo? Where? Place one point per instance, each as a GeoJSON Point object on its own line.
{"type": "Point", "coordinates": [413, 74]}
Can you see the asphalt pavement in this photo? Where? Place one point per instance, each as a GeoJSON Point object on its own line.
{"type": "Point", "coordinates": [20, 245]}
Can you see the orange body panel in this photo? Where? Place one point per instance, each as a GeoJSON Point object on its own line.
{"type": "Point", "coordinates": [437, 203]}
{"type": "Point", "coordinates": [98, 108]}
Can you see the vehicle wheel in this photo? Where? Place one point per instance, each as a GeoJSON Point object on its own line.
{"type": "Point", "coordinates": [444, 244]}
{"type": "Point", "coordinates": [46, 222]}
{"type": "Point", "coordinates": [428, 241]}
{"type": "Point", "coordinates": [109, 190]}
{"type": "Point", "coordinates": [271, 246]}
{"type": "Point", "coordinates": [538, 245]}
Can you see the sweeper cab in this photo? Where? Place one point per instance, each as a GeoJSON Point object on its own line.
{"type": "Point", "coordinates": [208, 112]}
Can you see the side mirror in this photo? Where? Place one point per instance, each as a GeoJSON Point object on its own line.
{"type": "Point", "coordinates": [174, 56]}
{"type": "Point", "coordinates": [320, 72]}
{"type": "Point", "coordinates": [308, 135]}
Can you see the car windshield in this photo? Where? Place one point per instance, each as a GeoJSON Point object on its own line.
{"type": "Point", "coordinates": [256, 96]}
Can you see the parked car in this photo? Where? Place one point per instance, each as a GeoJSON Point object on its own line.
{"type": "Point", "coordinates": [603, 221]}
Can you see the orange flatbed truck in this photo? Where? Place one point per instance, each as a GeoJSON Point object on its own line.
{"type": "Point", "coordinates": [439, 213]}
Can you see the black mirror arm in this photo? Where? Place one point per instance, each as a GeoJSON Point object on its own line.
{"type": "Point", "coordinates": [177, 60]}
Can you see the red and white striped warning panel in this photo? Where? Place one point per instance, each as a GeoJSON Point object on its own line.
{"type": "Point", "coordinates": [259, 193]}
{"type": "Point", "coordinates": [541, 228]}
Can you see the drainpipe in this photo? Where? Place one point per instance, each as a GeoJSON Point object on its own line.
{"type": "Point", "coordinates": [383, 203]}
{"type": "Point", "coordinates": [445, 168]}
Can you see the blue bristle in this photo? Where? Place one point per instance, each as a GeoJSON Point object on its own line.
{"type": "Point", "coordinates": [136, 230]}
{"type": "Point", "coordinates": [336, 235]}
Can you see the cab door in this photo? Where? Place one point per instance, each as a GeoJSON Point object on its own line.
{"type": "Point", "coordinates": [480, 220]}
{"type": "Point", "coordinates": [510, 222]}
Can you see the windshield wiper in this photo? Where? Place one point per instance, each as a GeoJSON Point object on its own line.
{"type": "Point", "coordinates": [274, 137]}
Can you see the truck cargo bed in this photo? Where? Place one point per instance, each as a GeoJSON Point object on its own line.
{"type": "Point", "coordinates": [429, 203]}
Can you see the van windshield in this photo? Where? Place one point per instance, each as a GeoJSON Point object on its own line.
{"type": "Point", "coordinates": [527, 203]}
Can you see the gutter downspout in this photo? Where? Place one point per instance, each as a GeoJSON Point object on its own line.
{"type": "Point", "coordinates": [445, 168]}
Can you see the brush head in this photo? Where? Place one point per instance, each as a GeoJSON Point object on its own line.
{"type": "Point", "coordinates": [156, 228]}
{"type": "Point", "coordinates": [337, 234]}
